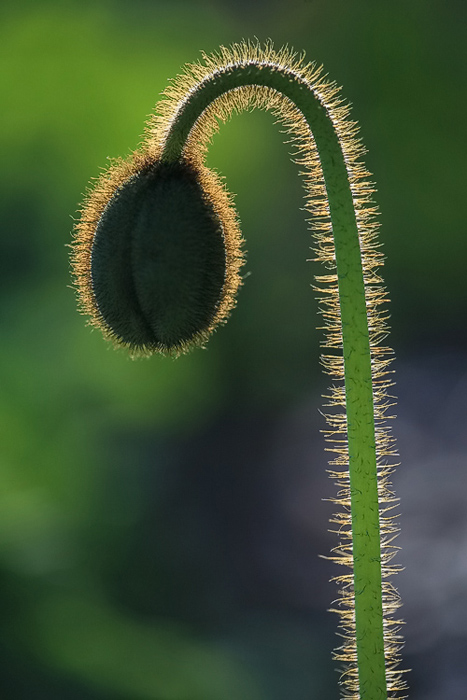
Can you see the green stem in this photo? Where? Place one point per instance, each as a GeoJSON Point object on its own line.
{"type": "Point", "coordinates": [356, 346]}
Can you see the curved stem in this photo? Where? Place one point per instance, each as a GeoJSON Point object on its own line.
{"type": "Point", "coordinates": [355, 338]}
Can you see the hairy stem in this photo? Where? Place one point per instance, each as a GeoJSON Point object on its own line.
{"type": "Point", "coordinates": [355, 337]}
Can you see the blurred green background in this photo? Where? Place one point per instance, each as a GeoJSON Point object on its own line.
{"type": "Point", "coordinates": [160, 520]}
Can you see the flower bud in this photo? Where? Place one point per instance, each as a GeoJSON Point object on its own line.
{"type": "Point", "coordinates": [162, 258]}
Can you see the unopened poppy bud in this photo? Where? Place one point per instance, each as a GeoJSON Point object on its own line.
{"type": "Point", "coordinates": [162, 258]}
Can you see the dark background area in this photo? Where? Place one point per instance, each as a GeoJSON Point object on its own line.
{"type": "Point", "coordinates": [161, 520]}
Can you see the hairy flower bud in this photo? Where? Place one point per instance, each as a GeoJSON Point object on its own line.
{"type": "Point", "coordinates": [157, 259]}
